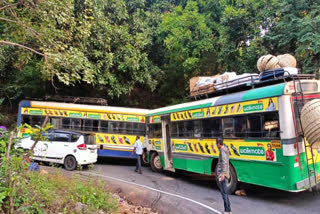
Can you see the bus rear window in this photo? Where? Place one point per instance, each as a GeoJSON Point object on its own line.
{"type": "Point", "coordinates": [271, 125]}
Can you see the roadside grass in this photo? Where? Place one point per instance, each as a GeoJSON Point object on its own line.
{"type": "Point", "coordinates": [54, 193]}
{"type": "Point", "coordinates": [25, 191]}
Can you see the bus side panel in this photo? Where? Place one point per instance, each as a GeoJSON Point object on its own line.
{"type": "Point", "coordinates": [193, 165]}
{"type": "Point", "coordinates": [179, 163]}
{"type": "Point", "coordinates": [283, 174]}
{"type": "Point", "coordinates": [199, 165]}
{"type": "Point", "coordinates": [115, 145]}
{"type": "Point", "coordinates": [115, 153]}
{"type": "Point", "coordinates": [261, 173]}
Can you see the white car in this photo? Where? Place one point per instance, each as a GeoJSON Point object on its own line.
{"type": "Point", "coordinates": [63, 147]}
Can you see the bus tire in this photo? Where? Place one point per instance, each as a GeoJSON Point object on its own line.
{"type": "Point", "coordinates": [232, 182]}
{"type": "Point", "coordinates": [70, 163]}
{"type": "Point", "coordinates": [155, 162]}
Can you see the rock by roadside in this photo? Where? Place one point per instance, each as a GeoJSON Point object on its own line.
{"type": "Point", "coordinates": [126, 208]}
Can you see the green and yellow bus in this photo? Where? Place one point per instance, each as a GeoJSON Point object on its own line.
{"type": "Point", "coordinates": [115, 128]}
{"type": "Point", "coordinates": [260, 127]}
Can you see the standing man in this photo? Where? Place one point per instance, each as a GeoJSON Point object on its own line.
{"type": "Point", "coordinates": [137, 147]}
{"type": "Point", "coordinates": [223, 174]}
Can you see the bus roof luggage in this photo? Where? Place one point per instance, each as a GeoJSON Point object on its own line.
{"type": "Point", "coordinates": [245, 82]}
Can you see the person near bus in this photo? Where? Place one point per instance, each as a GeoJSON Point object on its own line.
{"type": "Point", "coordinates": [269, 153]}
{"type": "Point", "coordinates": [223, 174]}
{"type": "Point", "coordinates": [137, 147]}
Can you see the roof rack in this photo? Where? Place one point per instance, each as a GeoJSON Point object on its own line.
{"type": "Point", "coordinates": [79, 100]}
{"type": "Point", "coordinates": [270, 77]}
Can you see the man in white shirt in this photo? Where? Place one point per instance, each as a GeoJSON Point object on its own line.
{"type": "Point", "coordinates": [137, 147]}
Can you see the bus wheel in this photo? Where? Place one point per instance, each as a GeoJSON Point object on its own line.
{"type": "Point", "coordinates": [155, 162]}
{"type": "Point", "coordinates": [232, 182]}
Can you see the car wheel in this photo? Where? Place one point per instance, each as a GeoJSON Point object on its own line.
{"type": "Point", "coordinates": [70, 163]}
{"type": "Point", "coordinates": [155, 162]}
{"type": "Point", "coordinates": [232, 182]}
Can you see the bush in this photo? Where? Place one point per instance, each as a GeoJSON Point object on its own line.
{"type": "Point", "coordinates": [23, 191]}
{"type": "Point", "coordinates": [53, 193]}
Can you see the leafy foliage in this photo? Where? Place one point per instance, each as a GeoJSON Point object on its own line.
{"type": "Point", "coordinates": [297, 31]}
{"type": "Point", "coordinates": [112, 48]}
{"type": "Point", "coordinates": [31, 192]}
{"type": "Point", "coordinates": [102, 45]}
{"type": "Point", "coordinates": [187, 38]}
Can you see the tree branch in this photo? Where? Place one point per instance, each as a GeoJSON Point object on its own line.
{"type": "Point", "coordinates": [9, 5]}
{"type": "Point", "coordinates": [8, 20]}
{"type": "Point", "coordinates": [21, 23]}
{"type": "Point", "coordinates": [25, 47]}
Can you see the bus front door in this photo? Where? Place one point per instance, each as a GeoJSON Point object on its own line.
{"type": "Point", "coordinates": [168, 162]}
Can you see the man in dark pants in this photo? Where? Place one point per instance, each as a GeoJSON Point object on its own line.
{"type": "Point", "coordinates": [137, 147]}
{"type": "Point", "coordinates": [223, 174]}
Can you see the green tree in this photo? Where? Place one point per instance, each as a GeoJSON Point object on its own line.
{"type": "Point", "coordinates": [239, 26]}
{"type": "Point", "coordinates": [297, 31]}
{"type": "Point", "coordinates": [94, 42]}
{"type": "Point", "coordinates": [186, 37]}
{"type": "Point", "coordinates": [118, 46]}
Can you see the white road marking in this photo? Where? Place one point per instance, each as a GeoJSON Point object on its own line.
{"type": "Point", "coordinates": [147, 187]}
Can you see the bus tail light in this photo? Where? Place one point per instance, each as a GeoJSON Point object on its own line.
{"type": "Point", "coordinates": [82, 147]}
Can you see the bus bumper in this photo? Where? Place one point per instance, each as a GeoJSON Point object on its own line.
{"type": "Point", "coordinates": [304, 184]}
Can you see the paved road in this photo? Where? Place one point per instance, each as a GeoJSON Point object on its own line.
{"type": "Point", "coordinates": [198, 194]}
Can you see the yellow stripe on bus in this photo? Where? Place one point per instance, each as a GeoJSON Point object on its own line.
{"type": "Point", "coordinates": [85, 110]}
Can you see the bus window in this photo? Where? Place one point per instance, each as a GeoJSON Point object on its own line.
{"type": "Point", "coordinates": [36, 120]}
{"type": "Point", "coordinates": [95, 125]}
{"type": "Point", "coordinates": [154, 130]}
{"type": "Point", "coordinates": [197, 128]}
{"type": "Point", "coordinates": [76, 124]}
{"type": "Point", "coordinates": [129, 128]}
{"type": "Point", "coordinates": [56, 122]}
{"type": "Point", "coordinates": [25, 120]}
{"type": "Point", "coordinates": [158, 131]}
{"type": "Point", "coordinates": [66, 123]}
{"type": "Point", "coordinates": [240, 126]}
{"type": "Point", "coordinates": [183, 129]}
{"type": "Point", "coordinates": [141, 128]}
{"type": "Point", "coordinates": [174, 130]}
{"type": "Point", "coordinates": [150, 131]}
{"type": "Point", "coordinates": [121, 127]}
{"type": "Point", "coordinates": [104, 126]}
{"type": "Point", "coordinates": [271, 125]}
{"type": "Point", "coordinates": [211, 127]}
{"type": "Point", "coordinates": [254, 126]}
{"type": "Point", "coordinates": [228, 131]}
{"type": "Point", "coordinates": [135, 128]}
{"type": "Point", "coordinates": [112, 127]}
{"type": "Point", "coordinates": [189, 129]}
{"type": "Point", "coordinates": [87, 125]}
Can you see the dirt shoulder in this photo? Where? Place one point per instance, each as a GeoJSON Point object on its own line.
{"type": "Point", "coordinates": [132, 200]}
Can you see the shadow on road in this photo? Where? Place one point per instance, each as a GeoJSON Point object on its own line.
{"type": "Point", "coordinates": [253, 191]}
{"type": "Point", "coordinates": [117, 161]}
